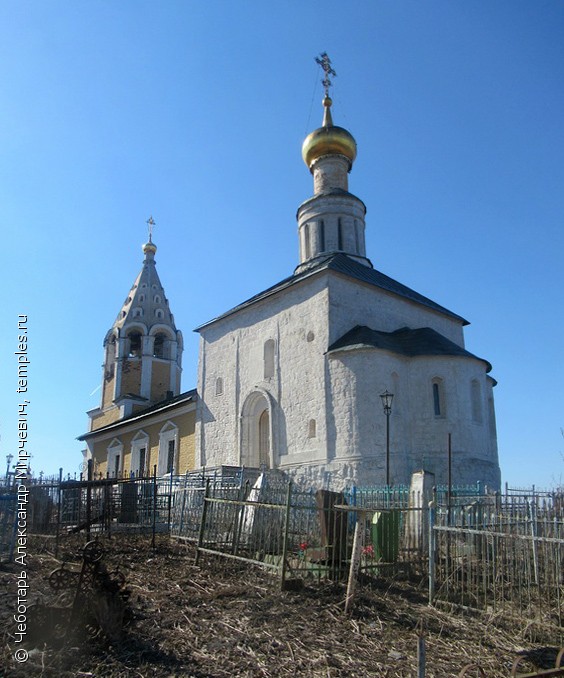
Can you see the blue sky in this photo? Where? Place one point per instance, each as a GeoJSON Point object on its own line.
{"type": "Point", "coordinates": [195, 112]}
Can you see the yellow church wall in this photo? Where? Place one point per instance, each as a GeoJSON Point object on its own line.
{"type": "Point", "coordinates": [105, 418]}
{"type": "Point", "coordinates": [186, 459]}
{"type": "Point", "coordinates": [108, 386]}
{"type": "Point", "coordinates": [131, 376]}
{"type": "Point", "coordinates": [160, 380]}
{"type": "Point", "coordinates": [185, 455]}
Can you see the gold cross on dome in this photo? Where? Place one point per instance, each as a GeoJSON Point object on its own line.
{"type": "Point", "coordinates": [150, 223]}
{"type": "Point", "coordinates": [325, 62]}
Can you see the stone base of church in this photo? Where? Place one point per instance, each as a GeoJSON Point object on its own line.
{"type": "Point", "coordinates": [338, 475]}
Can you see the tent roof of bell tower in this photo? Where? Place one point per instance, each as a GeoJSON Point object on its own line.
{"type": "Point", "coordinates": [146, 304]}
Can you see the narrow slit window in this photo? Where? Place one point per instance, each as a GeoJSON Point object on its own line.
{"type": "Point", "coordinates": [269, 359]}
{"type": "Point", "coordinates": [438, 398]}
{"type": "Point", "coordinates": [307, 245]}
{"type": "Point", "coordinates": [312, 429]}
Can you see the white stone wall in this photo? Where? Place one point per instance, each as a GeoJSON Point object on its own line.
{"type": "Point", "coordinates": [232, 349]}
{"type": "Point", "coordinates": [341, 392]}
{"type": "Point", "coordinates": [354, 303]}
{"type": "Point", "coordinates": [418, 438]}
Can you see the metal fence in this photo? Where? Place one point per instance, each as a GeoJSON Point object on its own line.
{"type": "Point", "coordinates": [303, 533]}
{"type": "Point", "coordinates": [93, 503]}
{"type": "Point", "coordinates": [502, 554]}
{"type": "Point", "coordinates": [499, 552]}
{"type": "Point", "coordinates": [8, 506]}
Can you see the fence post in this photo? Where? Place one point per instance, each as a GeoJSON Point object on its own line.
{"type": "Point", "coordinates": [170, 504]}
{"type": "Point", "coordinates": [183, 504]}
{"type": "Point", "coordinates": [432, 551]}
{"type": "Point", "coordinates": [421, 655]}
{"type": "Point", "coordinates": [358, 540]}
{"type": "Point", "coordinates": [59, 510]}
{"type": "Point", "coordinates": [534, 546]}
{"type": "Point", "coordinates": [89, 500]}
{"type": "Point", "coordinates": [107, 511]}
{"type": "Point", "coordinates": [285, 539]}
{"type": "Point", "coordinates": [203, 522]}
{"type": "Point", "coordinates": [154, 504]}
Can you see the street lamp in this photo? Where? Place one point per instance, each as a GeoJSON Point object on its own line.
{"type": "Point", "coordinates": [9, 458]}
{"type": "Point", "coordinates": [387, 405]}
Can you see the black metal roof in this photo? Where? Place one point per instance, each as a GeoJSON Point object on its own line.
{"type": "Point", "coordinates": [423, 341]}
{"type": "Point", "coordinates": [344, 265]}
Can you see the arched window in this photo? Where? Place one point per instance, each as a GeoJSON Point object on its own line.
{"type": "Point", "coordinates": [139, 454]}
{"type": "Point", "coordinates": [137, 312]}
{"type": "Point", "coordinates": [340, 235]}
{"type": "Point", "coordinates": [269, 359]}
{"type": "Point", "coordinates": [160, 346]}
{"type": "Point", "coordinates": [219, 386]}
{"type": "Point", "coordinates": [439, 407]}
{"type": "Point", "coordinates": [134, 344]}
{"type": "Point", "coordinates": [157, 299]}
{"type": "Point", "coordinates": [168, 449]}
{"type": "Point", "coordinates": [159, 313]}
{"type": "Point", "coordinates": [115, 458]}
{"type": "Point", "coordinates": [476, 399]}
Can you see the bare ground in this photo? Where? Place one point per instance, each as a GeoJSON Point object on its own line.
{"type": "Point", "coordinates": [223, 619]}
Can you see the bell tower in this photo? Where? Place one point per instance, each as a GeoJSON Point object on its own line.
{"type": "Point", "coordinates": [142, 350]}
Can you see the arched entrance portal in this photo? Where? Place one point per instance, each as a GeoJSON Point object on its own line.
{"type": "Point", "coordinates": [256, 431]}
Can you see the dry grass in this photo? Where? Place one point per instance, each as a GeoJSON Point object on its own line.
{"type": "Point", "coordinates": [225, 620]}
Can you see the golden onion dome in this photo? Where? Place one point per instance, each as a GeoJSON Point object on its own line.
{"type": "Point", "coordinates": [149, 247]}
{"type": "Point", "coordinates": [328, 140]}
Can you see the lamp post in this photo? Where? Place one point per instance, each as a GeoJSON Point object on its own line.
{"type": "Point", "coordinates": [9, 458]}
{"type": "Point", "coordinates": [387, 405]}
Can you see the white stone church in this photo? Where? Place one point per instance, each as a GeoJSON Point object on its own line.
{"type": "Point", "coordinates": [291, 378]}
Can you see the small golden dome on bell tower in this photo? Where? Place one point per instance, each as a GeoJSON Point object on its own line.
{"type": "Point", "coordinates": [149, 247]}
